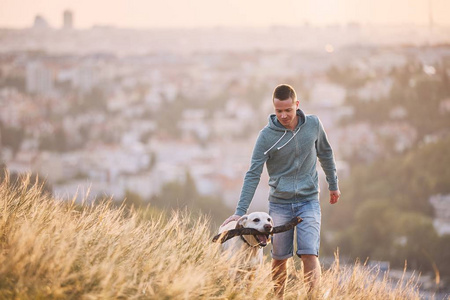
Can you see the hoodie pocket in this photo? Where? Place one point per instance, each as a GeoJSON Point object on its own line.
{"type": "Point", "coordinates": [284, 188]}
{"type": "Point", "coordinates": [306, 186]}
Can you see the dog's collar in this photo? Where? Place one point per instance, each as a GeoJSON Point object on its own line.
{"type": "Point", "coordinates": [245, 241]}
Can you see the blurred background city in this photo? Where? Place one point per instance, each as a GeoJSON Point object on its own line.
{"type": "Point", "coordinates": [161, 104]}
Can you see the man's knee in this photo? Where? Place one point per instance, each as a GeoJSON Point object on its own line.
{"type": "Point", "coordinates": [310, 261]}
{"type": "Point", "coordinates": [308, 257]}
{"type": "Point", "coordinates": [279, 263]}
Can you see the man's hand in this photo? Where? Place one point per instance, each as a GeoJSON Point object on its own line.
{"type": "Point", "coordinates": [230, 219]}
{"type": "Point", "coordinates": [334, 196]}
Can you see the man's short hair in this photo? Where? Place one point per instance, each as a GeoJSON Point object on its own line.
{"type": "Point", "coordinates": [284, 92]}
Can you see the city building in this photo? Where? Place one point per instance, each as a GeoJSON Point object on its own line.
{"type": "Point", "coordinates": [68, 19]}
{"type": "Point", "coordinates": [39, 79]}
{"type": "Point", "coordinates": [40, 23]}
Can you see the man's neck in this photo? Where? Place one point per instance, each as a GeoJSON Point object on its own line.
{"type": "Point", "coordinates": [297, 118]}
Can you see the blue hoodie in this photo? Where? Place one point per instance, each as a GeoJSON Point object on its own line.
{"type": "Point", "coordinates": [290, 157]}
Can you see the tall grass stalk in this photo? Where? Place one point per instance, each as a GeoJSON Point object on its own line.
{"type": "Point", "coordinates": [51, 249]}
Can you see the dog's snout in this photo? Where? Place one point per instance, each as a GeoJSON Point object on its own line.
{"type": "Point", "coordinates": [267, 227]}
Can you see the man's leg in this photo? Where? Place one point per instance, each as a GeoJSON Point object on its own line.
{"type": "Point", "coordinates": [282, 246]}
{"type": "Point", "coordinates": [311, 271]}
{"type": "Point", "coordinates": [308, 241]}
{"type": "Point", "coordinates": [279, 275]}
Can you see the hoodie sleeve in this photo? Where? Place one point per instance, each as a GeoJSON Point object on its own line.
{"type": "Point", "coordinates": [326, 158]}
{"type": "Point", "coordinates": [253, 176]}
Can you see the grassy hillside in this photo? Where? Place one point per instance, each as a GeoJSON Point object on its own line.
{"type": "Point", "coordinates": [385, 213]}
{"type": "Point", "coordinates": [57, 250]}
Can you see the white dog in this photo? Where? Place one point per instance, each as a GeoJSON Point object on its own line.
{"type": "Point", "coordinates": [252, 245]}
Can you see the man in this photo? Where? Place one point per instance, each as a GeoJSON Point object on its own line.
{"type": "Point", "coordinates": [289, 146]}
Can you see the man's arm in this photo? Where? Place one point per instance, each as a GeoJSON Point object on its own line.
{"type": "Point", "coordinates": [252, 176]}
{"type": "Point", "coordinates": [326, 159]}
{"type": "Point", "coordinates": [251, 179]}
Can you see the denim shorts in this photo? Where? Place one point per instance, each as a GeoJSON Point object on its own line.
{"type": "Point", "coordinates": [307, 232]}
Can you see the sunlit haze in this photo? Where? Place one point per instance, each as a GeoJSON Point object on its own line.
{"type": "Point", "coordinates": [160, 107]}
{"type": "Point", "coordinates": [208, 13]}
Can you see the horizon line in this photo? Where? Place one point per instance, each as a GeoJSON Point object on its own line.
{"type": "Point", "coordinates": [271, 26]}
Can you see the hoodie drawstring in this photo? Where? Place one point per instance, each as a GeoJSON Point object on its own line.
{"type": "Point", "coordinates": [267, 151]}
{"type": "Point", "coordinates": [295, 133]}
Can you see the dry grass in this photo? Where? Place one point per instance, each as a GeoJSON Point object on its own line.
{"type": "Point", "coordinates": [57, 250]}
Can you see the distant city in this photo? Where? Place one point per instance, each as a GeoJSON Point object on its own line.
{"type": "Point", "coordinates": [122, 41]}
{"type": "Point", "coordinates": [111, 110]}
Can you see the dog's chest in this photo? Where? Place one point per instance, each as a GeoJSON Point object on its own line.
{"type": "Point", "coordinates": [253, 255]}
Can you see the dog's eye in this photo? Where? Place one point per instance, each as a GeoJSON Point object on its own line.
{"type": "Point", "coordinates": [256, 220]}
{"type": "Point", "coordinates": [268, 220]}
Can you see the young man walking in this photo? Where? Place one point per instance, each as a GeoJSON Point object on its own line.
{"type": "Point", "coordinates": [289, 145]}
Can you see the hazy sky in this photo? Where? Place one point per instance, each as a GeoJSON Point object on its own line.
{"type": "Point", "coordinates": [199, 13]}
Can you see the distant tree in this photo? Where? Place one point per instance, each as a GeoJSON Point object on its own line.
{"type": "Point", "coordinates": [146, 137]}
{"type": "Point", "coordinates": [17, 82]}
{"type": "Point", "coordinates": [443, 255]}
{"type": "Point", "coordinates": [214, 207]}
{"type": "Point", "coordinates": [11, 137]}
{"type": "Point", "coordinates": [133, 200]}
{"type": "Point", "coordinates": [177, 195]}
{"type": "Point", "coordinates": [56, 142]}
{"type": "Point", "coordinates": [416, 242]}
{"type": "Point", "coordinates": [423, 107]}
{"type": "Point", "coordinates": [349, 77]}
{"type": "Point", "coordinates": [169, 116]}
{"type": "Point", "coordinates": [372, 234]}
{"type": "Point", "coordinates": [153, 160]}
{"type": "Point", "coordinates": [445, 83]}
{"type": "Point", "coordinates": [17, 179]}
{"type": "Point", "coordinates": [184, 195]}
{"type": "Point", "coordinates": [94, 100]}
{"type": "Point", "coordinates": [60, 140]}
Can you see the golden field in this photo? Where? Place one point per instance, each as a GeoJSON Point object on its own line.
{"type": "Point", "coordinates": [52, 249]}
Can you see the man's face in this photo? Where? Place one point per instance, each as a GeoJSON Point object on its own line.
{"type": "Point", "coordinates": [286, 112]}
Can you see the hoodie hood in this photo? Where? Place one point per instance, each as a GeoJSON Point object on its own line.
{"type": "Point", "coordinates": [274, 124]}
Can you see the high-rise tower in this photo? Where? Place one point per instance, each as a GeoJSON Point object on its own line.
{"type": "Point", "coordinates": [68, 19]}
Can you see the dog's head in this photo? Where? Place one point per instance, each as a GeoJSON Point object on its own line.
{"type": "Point", "coordinates": [260, 221]}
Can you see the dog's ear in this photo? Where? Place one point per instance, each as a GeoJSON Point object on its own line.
{"type": "Point", "coordinates": [241, 222]}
